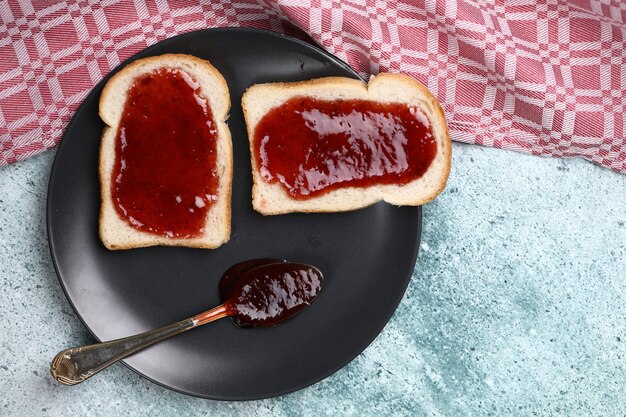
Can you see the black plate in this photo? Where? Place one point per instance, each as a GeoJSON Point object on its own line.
{"type": "Point", "coordinates": [367, 256]}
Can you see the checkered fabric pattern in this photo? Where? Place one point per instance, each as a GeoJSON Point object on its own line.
{"type": "Point", "coordinates": [545, 77]}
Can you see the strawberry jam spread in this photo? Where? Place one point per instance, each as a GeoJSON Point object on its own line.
{"type": "Point", "coordinates": [264, 292]}
{"type": "Point", "coordinates": [164, 178]}
{"type": "Point", "coordinates": [312, 146]}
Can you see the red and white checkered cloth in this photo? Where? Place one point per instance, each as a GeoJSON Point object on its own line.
{"type": "Point", "coordinates": [546, 77]}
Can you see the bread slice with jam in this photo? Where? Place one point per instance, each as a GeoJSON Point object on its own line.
{"type": "Point", "coordinates": [165, 162]}
{"type": "Point", "coordinates": [337, 144]}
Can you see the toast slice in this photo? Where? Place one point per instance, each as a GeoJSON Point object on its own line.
{"type": "Point", "coordinates": [272, 198]}
{"type": "Point", "coordinates": [115, 232]}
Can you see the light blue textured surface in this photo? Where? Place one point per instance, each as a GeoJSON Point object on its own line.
{"type": "Point", "coordinates": [517, 307]}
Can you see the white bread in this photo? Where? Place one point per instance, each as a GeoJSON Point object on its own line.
{"type": "Point", "coordinates": [272, 198]}
{"type": "Point", "coordinates": [115, 232]}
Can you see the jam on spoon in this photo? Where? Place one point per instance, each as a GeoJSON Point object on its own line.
{"type": "Point", "coordinates": [258, 292]}
{"type": "Point", "coordinates": [232, 279]}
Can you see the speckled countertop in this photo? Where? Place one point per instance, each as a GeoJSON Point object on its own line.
{"type": "Point", "coordinates": [517, 306]}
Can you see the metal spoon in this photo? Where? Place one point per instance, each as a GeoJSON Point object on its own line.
{"type": "Point", "coordinates": [262, 295]}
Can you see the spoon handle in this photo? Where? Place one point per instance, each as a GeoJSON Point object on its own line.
{"type": "Point", "coordinates": [75, 365]}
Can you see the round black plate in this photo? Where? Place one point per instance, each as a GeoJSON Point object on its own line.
{"type": "Point", "coordinates": [367, 256]}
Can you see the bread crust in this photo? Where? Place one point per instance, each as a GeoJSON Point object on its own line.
{"type": "Point", "coordinates": [272, 199]}
{"type": "Point", "coordinates": [114, 232]}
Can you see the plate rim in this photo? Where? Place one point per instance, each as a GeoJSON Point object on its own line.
{"type": "Point", "coordinates": [147, 51]}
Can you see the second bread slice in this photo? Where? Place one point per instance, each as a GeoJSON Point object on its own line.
{"type": "Point", "coordinates": [271, 198]}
